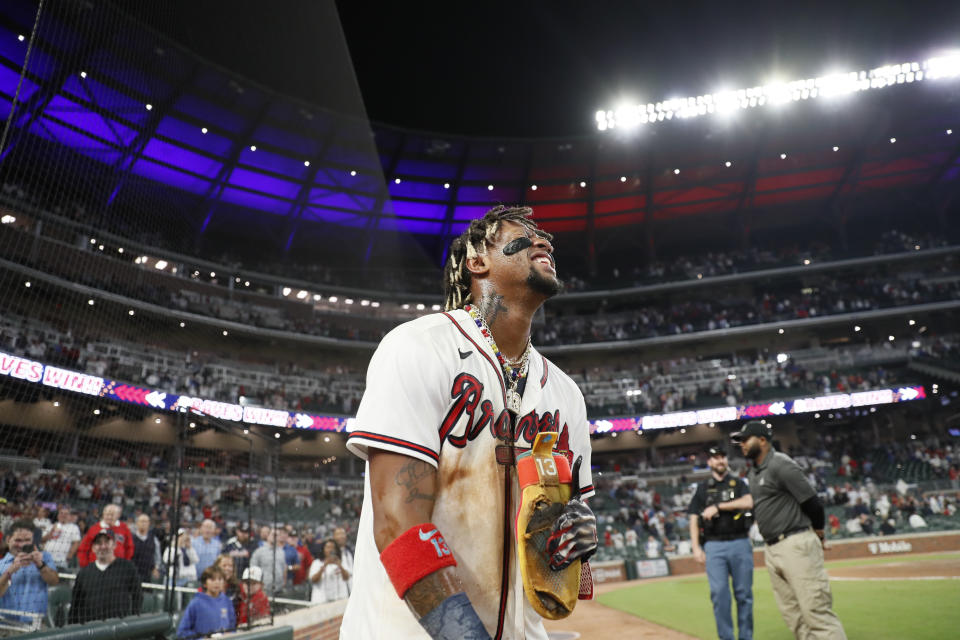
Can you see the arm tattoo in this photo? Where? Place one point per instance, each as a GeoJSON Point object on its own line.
{"type": "Point", "coordinates": [410, 475]}
{"type": "Point", "coordinates": [491, 306]}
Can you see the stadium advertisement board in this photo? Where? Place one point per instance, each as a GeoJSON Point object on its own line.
{"type": "Point", "coordinates": [32, 371]}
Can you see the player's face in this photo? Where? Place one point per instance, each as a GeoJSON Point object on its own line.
{"type": "Point", "coordinates": [522, 254]}
{"type": "Point", "coordinates": [718, 464]}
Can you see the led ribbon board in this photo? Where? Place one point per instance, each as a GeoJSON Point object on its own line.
{"type": "Point", "coordinates": [48, 375]}
{"type": "Point", "coordinates": [830, 402]}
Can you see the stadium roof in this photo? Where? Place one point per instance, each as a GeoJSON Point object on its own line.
{"type": "Point", "coordinates": [534, 69]}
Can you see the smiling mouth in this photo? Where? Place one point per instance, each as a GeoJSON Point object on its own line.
{"type": "Point", "coordinates": [545, 259]}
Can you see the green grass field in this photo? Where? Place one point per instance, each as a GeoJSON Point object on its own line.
{"type": "Point", "coordinates": [901, 609]}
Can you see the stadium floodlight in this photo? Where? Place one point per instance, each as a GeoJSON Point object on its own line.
{"type": "Point", "coordinates": [317, 297]}
{"type": "Point", "coordinates": [225, 333]}
{"type": "Point", "coordinates": [183, 324]}
{"type": "Point", "coordinates": [354, 173]}
{"type": "Point", "coordinates": [253, 147]}
{"type": "Point", "coordinates": [836, 148]}
{"type": "Point", "coordinates": [56, 403]}
{"type": "Point", "coordinates": [246, 283]}
{"type": "Point", "coordinates": [728, 164]}
{"type": "Point", "coordinates": [286, 291]}
{"type": "Point", "coordinates": [396, 181]}
{"type": "Point", "coordinates": [203, 130]}
{"type": "Point", "coordinates": [489, 187]}
{"type": "Point", "coordinates": [93, 241]}
{"type": "Point", "coordinates": [533, 187]}
{"type": "Point", "coordinates": [582, 184]}
{"type": "Point", "coordinates": [891, 338]}
{"type": "Point", "coordinates": [676, 172]}
{"type": "Point", "coordinates": [623, 178]}
{"type": "Point", "coordinates": [405, 306]}
{"type": "Point", "coordinates": [20, 37]}
{"type": "Point", "coordinates": [90, 302]}
{"type": "Point", "coordinates": [131, 312]}
{"type": "Point", "coordinates": [628, 116]}
{"type": "Point", "coordinates": [782, 357]}
{"type": "Point", "coordinates": [783, 156]}
{"type": "Point", "coordinates": [332, 298]}
{"type": "Point", "coordinates": [780, 331]}
{"type": "Point", "coordinates": [364, 303]}
{"type": "Point", "coordinates": [856, 328]}
{"type": "Point", "coordinates": [213, 274]}
{"type": "Point", "coordinates": [161, 265]}
{"type": "Point", "coordinates": [306, 163]}
{"type": "Point", "coordinates": [96, 412]}
{"type": "Point", "coordinates": [446, 185]}
{"type": "Point", "coordinates": [435, 307]}
{"type": "Point", "coordinates": [301, 295]}
{"type": "Point", "coordinates": [83, 74]}
{"type": "Point", "coordinates": [157, 420]}
{"type": "Point", "coordinates": [119, 249]}
{"type": "Point", "coordinates": [348, 301]}
{"type": "Point", "coordinates": [949, 132]}
{"type": "Point", "coordinates": [892, 140]}
{"type": "Point", "coordinates": [911, 322]}
{"type": "Point", "coordinates": [420, 307]}
{"type": "Point", "coordinates": [375, 304]}
{"type": "Point", "coordinates": [27, 284]}
{"type": "Point", "coordinates": [149, 107]}
{"type": "Point", "coordinates": [8, 219]}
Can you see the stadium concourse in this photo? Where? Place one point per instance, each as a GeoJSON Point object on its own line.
{"type": "Point", "coordinates": [195, 271]}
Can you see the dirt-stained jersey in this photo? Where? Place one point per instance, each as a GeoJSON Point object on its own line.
{"type": "Point", "coordinates": [436, 392]}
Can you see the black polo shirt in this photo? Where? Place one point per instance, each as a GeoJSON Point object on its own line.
{"type": "Point", "coordinates": [778, 487]}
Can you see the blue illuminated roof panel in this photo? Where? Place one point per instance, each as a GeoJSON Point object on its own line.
{"type": "Point", "coordinates": [8, 84]}
{"type": "Point", "coordinates": [406, 208]}
{"type": "Point", "coordinates": [181, 157]}
{"type": "Point", "coordinates": [284, 165]}
{"type": "Point", "coordinates": [193, 135]}
{"type": "Point", "coordinates": [338, 217]}
{"type": "Point", "coordinates": [213, 116]}
{"type": "Point", "coordinates": [92, 92]}
{"type": "Point", "coordinates": [264, 183]}
{"type": "Point", "coordinates": [173, 177]}
{"type": "Point", "coordinates": [255, 201]}
{"type": "Point", "coordinates": [90, 122]}
{"type": "Point", "coordinates": [86, 145]}
{"type": "Point", "coordinates": [343, 200]}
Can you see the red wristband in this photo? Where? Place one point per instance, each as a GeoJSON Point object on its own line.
{"type": "Point", "coordinates": [418, 552]}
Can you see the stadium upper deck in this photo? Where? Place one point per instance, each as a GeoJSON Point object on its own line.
{"type": "Point", "coordinates": [146, 128]}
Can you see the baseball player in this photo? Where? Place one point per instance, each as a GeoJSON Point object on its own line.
{"type": "Point", "coordinates": [451, 400]}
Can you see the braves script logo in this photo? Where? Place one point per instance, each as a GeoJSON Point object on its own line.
{"type": "Point", "coordinates": [467, 394]}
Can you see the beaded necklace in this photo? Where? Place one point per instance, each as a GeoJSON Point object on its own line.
{"type": "Point", "coordinates": [514, 371]}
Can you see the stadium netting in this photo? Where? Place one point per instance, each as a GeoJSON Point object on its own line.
{"type": "Point", "coordinates": [128, 168]}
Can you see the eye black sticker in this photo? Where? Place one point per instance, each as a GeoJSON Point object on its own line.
{"type": "Point", "coordinates": [517, 245]}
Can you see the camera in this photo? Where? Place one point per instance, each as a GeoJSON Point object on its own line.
{"type": "Point", "coordinates": [27, 548]}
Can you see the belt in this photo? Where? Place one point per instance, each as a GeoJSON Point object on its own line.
{"type": "Point", "coordinates": [725, 537]}
{"type": "Point", "coordinates": [786, 534]}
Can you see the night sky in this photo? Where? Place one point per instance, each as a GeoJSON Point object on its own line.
{"type": "Point", "coordinates": [542, 68]}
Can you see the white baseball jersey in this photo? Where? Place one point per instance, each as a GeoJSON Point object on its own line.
{"type": "Point", "coordinates": [436, 392]}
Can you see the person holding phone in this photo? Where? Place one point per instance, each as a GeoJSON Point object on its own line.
{"type": "Point", "coordinates": [25, 574]}
{"type": "Point", "coordinates": [328, 575]}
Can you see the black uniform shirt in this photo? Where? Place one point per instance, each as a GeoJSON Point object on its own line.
{"type": "Point", "coordinates": [726, 524]}
{"type": "Point", "coordinates": [779, 487]}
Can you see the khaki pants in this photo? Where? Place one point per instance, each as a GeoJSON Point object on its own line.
{"type": "Point", "coordinates": [802, 588]}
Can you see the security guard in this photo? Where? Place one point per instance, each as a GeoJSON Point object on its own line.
{"type": "Point", "coordinates": [790, 518]}
{"type": "Point", "coordinates": [719, 522]}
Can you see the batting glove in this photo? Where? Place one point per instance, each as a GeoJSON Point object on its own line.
{"type": "Point", "coordinates": [574, 534]}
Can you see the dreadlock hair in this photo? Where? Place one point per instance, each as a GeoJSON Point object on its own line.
{"type": "Point", "coordinates": [472, 243]}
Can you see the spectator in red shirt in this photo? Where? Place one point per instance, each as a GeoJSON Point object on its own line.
{"type": "Point", "coordinates": [121, 533]}
{"type": "Point", "coordinates": [253, 601]}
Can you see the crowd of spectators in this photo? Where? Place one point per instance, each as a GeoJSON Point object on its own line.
{"type": "Point", "coordinates": [426, 281]}
{"type": "Point", "coordinates": [53, 523]}
{"type": "Point", "coordinates": [609, 389]}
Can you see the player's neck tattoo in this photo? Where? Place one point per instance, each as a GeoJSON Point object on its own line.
{"type": "Point", "coordinates": [491, 306]}
{"type": "Point", "coordinates": [409, 477]}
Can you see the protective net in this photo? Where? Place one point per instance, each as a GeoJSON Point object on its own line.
{"type": "Point", "coordinates": [160, 430]}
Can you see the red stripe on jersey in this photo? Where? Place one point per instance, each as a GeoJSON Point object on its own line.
{"type": "Point", "coordinates": [543, 380]}
{"type": "Point", "coordinates": [406, 444]}
{"type": "Point", "coordinates": [482, 352]}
